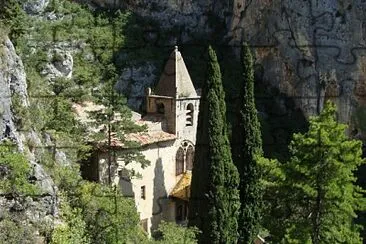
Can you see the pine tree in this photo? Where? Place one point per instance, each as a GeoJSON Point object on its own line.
{"type": "Point", "coordinates": [246, 145]}
{"type": "Point", "coordinates": [214, 204]}
{"type": "Point", "coordinates": [14, 17]}
{"type": "Point", "coordinates": [319, 197]}
{"type": "Point", "coordinates": [117, 118]}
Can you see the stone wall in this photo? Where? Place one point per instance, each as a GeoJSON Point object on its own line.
{"type": "Point", "coordinates": [158, 179]}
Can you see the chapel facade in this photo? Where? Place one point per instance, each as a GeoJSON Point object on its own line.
{"type": "Point", "coordinates": [162, 191]}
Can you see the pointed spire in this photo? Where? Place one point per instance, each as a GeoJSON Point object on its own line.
{"type": "Point", "coordinates": [175, 80]}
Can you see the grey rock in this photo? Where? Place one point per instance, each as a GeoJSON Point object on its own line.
{"type": "Point", "coordinates": [13, 84]}
{"type": "Point", "coordinates": [34, 7]}
{"type": "Point", "coordinates": [61, 158]}
{"type": "Point", "coordinates": [134, 80]}
{"type": "Point", "coordinates": [60, 64]}
{"type": "Point", "coordinates": [51, 16]}
{"type": "Point", "coordinates": [43, 180]}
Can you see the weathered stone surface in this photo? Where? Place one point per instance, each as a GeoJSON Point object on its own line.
{"type": "Point", "coordinates": [60, 65]}
{"type": "Point", "coordinates": [13, 85]}
{"type": "Point", "coordinates": [43, 180]}
{"type": "Point", "coordinates": [298, 43]}
{"type": "Point", "coordinates": [133, 82]}
{"type": "Point", "coordinates": [35, 6]}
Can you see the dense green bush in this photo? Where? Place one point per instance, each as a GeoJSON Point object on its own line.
{"type": "Point", "coordinates": [73, 230]}
{"type": "Point", "coordinates": [13, 231]}
{"type": "Point", "coordinates": [13, 16]}
{"type": "Point", "coordinates": [15, 172]}
{"type": "Point", "coordinates": [171, 233]}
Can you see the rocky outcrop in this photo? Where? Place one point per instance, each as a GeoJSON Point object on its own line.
{"type": "Point", "coordinates": [60, 65]}
{"type": "Point", "coordinates": [310, 50]}
{"type": "Point", "coordinates": [35, 6]}
{"type": "Point", "coordinates": [133, 81]}
{"type": "Point", "coordinates": [12, 84]}
{"type": "Point", "coordinates": [307, 50]}
{"type": "Point", "coordinates": [13, 92]}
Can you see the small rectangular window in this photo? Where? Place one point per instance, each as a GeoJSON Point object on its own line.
{"type": "Point", "coordinates": [143, 192]}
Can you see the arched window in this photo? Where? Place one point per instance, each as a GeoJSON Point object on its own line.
{"type": "Point", "coordinates": [189, 157]}
{"type": "Point", "coordinates": [160, 108]}
{"type": "Point", "coordinates": [189, 115]}
{"type": "Point", "coordinates": [179, 162]}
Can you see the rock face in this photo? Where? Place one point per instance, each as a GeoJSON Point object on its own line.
{"type": "Point", "coordinates": [133, 81]}
{"type": "Point", "coordinates": [307, 50]}
{"type": "Point", "coordinates": [13, 85]}
{"type": "Point", "coordinates": [310, 50]}
{"type": "Point", "coordinates": [60, 65]}
{"type": "Point", "coordinates": [35, 6]}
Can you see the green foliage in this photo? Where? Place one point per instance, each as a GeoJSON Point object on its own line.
{"type": "Point", "coordinates": [61, 118]}
{"type": "Point", "coordinates": [21, 113]}
{"type": "Point", "coordinates": [315, 197]}
{"type": "Point", "coordinates": [214, 205]}
{"type": "Point", "coordinates": [171, 233]}
{"type": "Point", "coordinates": [246, 146]}
{"type": "Point", "coordinates": [109, 217]}
{"type": "Point", "coordinates": [74, 228]}
{"type": "Point", "coordinates": [15, 172]}
{"type": "Point", "coordinates": [15, 232]}
{"type": "Point", "coordinates": [99, 214]}
{"type": "Point", "coordinates": [13, 16]}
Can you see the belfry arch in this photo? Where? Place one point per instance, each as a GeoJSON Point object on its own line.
{"type": "Point", "coordinates": [184, 157]}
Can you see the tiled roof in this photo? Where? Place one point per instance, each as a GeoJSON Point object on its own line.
{"type": "Point", "coordinates": [142, 138]}
{"type": "Point", "coordinates": [150, 137]}
{"type": "Point", "coordinates": [154, 122]}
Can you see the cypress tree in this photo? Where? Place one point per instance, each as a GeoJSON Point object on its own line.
{"type": "Point", "coordinates": [247, 144]}
{"type": "Point", "coordinates": [214, 204]}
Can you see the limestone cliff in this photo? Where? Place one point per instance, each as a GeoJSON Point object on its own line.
{"type": "Point", "coordinates": [307, 50]}
{"type": "Point", "coordinates": [13, 89]}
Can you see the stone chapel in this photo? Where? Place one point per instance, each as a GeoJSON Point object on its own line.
{"type": "Point", "coordinates": [162, 191]}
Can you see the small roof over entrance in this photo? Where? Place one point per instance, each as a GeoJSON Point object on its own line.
{"type": "Point", "coordinates": [182, 189]}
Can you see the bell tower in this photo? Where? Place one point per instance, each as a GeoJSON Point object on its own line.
{"type": "Point", "coordinates": [176, 99]}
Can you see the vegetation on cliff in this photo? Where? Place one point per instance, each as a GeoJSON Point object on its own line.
{"type": "Point", "coordinates": [311, 198]}
{"type": "Point", "coordinates": [90, 212]}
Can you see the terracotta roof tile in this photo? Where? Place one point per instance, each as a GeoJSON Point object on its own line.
{"type": "Point", "coordinates": [154, 132]}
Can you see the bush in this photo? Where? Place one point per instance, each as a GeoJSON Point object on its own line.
{"type": "Point", "coordinates": [15, 172]}
{"type": "Point", "coordinates": [74, 228]}
{"type": "Point", "coordinates": [14, 232]}
{"type": "Point", "coordinates": [171, 233]}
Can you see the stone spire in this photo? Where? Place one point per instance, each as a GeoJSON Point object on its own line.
{"type": "Point", "coordinates": [175, 80]}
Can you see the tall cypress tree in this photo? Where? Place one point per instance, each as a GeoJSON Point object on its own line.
{"type": "Point", "coordinates": [246, 145]}
{"type": "Point", "coordinates": [214, 204]}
